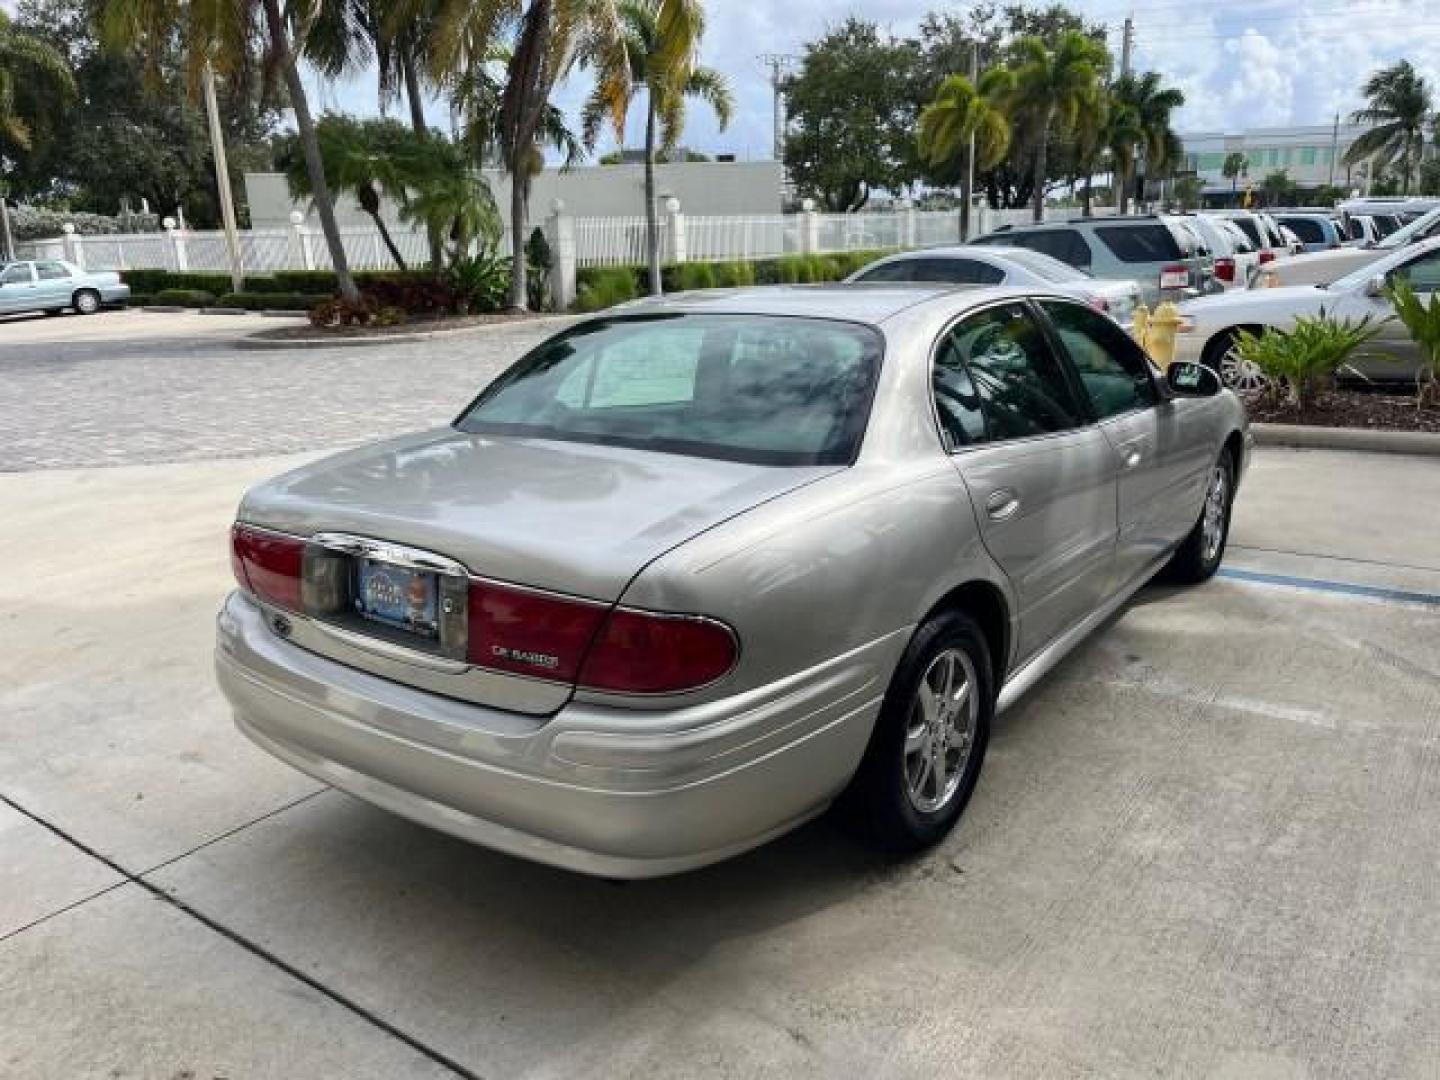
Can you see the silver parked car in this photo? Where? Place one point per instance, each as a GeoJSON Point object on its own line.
{"type": "Point", "coordinates": [52, 285]}
{"type": "Point", "coordinates": [968, 264]}
{"type": "Point", "coordinates": [695, 569]}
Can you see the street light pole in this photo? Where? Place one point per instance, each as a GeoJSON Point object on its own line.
{"type": "Point", "coordinates": [965, 209]}
{"type": "Point", "coordinates": [222, 182]}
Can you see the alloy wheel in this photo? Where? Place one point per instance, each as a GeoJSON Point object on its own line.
{"type": "Point", "coordinates": [1212, 529]}
{"type": "Point", "coordinates": [940, 736]}
{"type": "Point", "coordinates": [1240, 374]}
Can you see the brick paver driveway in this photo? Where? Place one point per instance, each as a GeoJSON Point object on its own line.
{"type": "Point", "coordinates": [142, 388]}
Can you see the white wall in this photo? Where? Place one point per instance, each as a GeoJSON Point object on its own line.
{"type": "Point", "coordinates": [704, 187]}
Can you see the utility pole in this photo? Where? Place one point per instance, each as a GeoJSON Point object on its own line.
{"type": "Point", "coordinates": [7, 241]}
{"type": "Point", "coordinates": [778, 63]}
{"type": "Point", "coordinates": [222, 182]}
{"type": "Point", "coordinates": [1334, 149]}
{"type": "Point", "coordinates": [1127, 43]}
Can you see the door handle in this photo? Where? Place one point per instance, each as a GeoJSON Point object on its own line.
{"type": "Point", "coordinates": [1002, 504]}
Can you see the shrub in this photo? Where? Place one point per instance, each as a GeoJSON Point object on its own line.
{"type": "Point", "coordinates": [155, 281]}
{"type": "Point", "coordinates": [185, 297]}
{"type": "Point", "coordinates": [479, 282]}
{"type": "Point", "coordinates": [339, 312]}
{"type": "Point", "coordinates": [1422, 320]}
{"type": "Point", "coordinates": [607, 286]}
{"type": "Point", "coordinates": [266, 301]}
{"type": "Point", "coordinates": [734, 274]}
{"type": "Point", "coordinates": [694, 275]}
{"type": "Point", "coordinates": [428, 294]}
{"type": "Point", "coordinates": [538, 263]}
{"type": "Point", "coordinates": [314, 282]}
{"type": "Point", "coordinates": [1304, 359]}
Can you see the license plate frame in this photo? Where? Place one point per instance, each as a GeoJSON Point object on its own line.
{"type": "Point", "coordinates": [403, 599]}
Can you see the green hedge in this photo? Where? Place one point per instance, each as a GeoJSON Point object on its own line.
{"type": "Point", "coordinates": [313, 283]}
{"type": "Point", "coordinates": [150, 282]}
{"type": "Point", "coordinates": [184, 297]}
{"type": "Point", "coordinates": [604, 286]}
{"type": "Point", "coordinates": [269, 301]}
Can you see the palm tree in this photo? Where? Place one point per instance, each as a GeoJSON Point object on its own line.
{"type": "Point", "coordinates": [669, 75]}
{"type": "Point", "coordinates": [547, 37]}
{"type": "Point", "coordinates": [1152, 106]}
{"type": "Point", "coordinates": [962, 111]}
{"type": "Point", "coordinates": [34, 78]}
{"type": "Point", "coordinates": [451, 199]}
{"type": "Point", "coordinates": [1122, 136]}
{"type": "Point", "coordinates": [1236, 165]}
{"type": "Point", "coordinates": [1400, 108]}
{"type": "Point", "coordinates": [222, 33]}
{"type": "Point", "coordinates": [363, 158]}
{"type": "Point", "coordinates": [1052, 86]}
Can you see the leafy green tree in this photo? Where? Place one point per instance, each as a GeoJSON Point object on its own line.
{"type": "Point", "coordinates": [1277, 187]}
{"type": "Point", "coordinates": [639, 53]}
{"type": "Point", "coordinates": [1150, 106]}
{"type": "Point", "coordinates": [1236, 165]}
{"type": "Point", "coordinates": [1189, 192]}
{"type": "Point", "coordinates": [962, 112]}
{"type": "Point", "coordinates": [225, 34]}
{"type": "Point", "coordinates": [34, 78]}
{"type": "Point", "coordinates": [451, 198]}
{"type": "Point", "coordinates": [1399, 110]}
{"type": "Point", "coordinates": [1051, 87]}
{"type": "Point", "coordinates": [852, 113]}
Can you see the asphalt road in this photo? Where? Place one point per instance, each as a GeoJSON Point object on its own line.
{"type": "Point", "coordinates": [1203, 847]}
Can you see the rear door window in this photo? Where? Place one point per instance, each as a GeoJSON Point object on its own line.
{"type": "Point", "coordinates": [1067, 245]}
{"type": "Point", "coordinates": [899, 270]}
{"type": "Point", "coordinates": [51, 271]}
{"type": "Point", "coordinates": [1147, 242]}
{"type": "Point", "coordinates": [1021, 386]}
{"type": "Point", "coordinates": [1112, 368]}
{"type": "Point", "coordinates": [958, 271]}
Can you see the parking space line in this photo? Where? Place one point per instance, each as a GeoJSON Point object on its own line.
{"type": "Point", "coordinates": [249, 946]}
{"type": "Point", "coordinates": [1374, 592]}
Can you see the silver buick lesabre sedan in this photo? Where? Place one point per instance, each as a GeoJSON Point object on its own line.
{"type": "Point", "coordinates": [694, 570]}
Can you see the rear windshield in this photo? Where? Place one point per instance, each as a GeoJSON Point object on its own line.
{"type": "Point", "coordinates": [1252, 230]}
{"type": "Point", "coordinates": [771, 390]}
{"type": "Point", "coordinates": [1309, 230]}
{"type": "Point", "coordinates": [1067, 245]}
{"type": "Point", "coordinates": [1150, 242]}
{"type": "Point", "coordinates": [1045, 266]}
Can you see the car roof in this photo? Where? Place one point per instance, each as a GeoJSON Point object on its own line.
{"type": "Point", "coordinates": [1074, 223]}
{"type": "Point", "coordinates": [858, 302]}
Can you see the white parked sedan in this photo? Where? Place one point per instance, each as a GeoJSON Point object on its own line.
{"type": "Point", "coordinates": [1209, 325]}
{"type": "Point", "coordinates": [52, 285]}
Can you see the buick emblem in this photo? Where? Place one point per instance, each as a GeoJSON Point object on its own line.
{"type": "Point", "coordinates": [281, 625]}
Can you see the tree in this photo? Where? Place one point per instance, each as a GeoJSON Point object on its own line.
{"type": "Point", "coordinates": [225, 33]}
{"type": "Point", "coordinates": [1236, 165]}
{"type": "Point", "coordinates": [1150, 105]}
{"type": "Point", "coordinates": [367, 159]}
{"type": "Point", "coordinates": [451, 199]}
{"type": "Point", "coordinates": [961, 112]}
{"type": "Point", "coordinates": [1189, 192]}
{"type": "Point", "coordinates": [1277, 187]}
{"type": "Point", "coordinates": [852, 113]}
{"type": "Point", "coordinates": [34, 78]}
{"type": "Point", "coordinates": [641, 54]}
{"type": "Point", "coordinates": [1051, 87]}
{"type": "Point", "coordinates": [1400, 110]}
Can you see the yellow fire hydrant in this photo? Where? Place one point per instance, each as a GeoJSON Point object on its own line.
{"type": "Point", "coordinates": [1140, 324]}
{"type": "Point", "coordinates": [1160, 330]}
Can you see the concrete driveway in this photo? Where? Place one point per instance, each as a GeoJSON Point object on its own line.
{"type": "Point", "coordinates": [1204, 847]}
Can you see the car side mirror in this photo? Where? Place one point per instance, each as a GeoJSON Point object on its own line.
{"type": "Point", "coordinates": [1375, 286]}
{"type": "Point", "coordinates": [1184, 379]}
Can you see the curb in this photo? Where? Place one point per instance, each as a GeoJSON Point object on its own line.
{"type": "Point", "coordinates": [256, 342]}
{"type": "Point", "coordinates": [1326, 438]}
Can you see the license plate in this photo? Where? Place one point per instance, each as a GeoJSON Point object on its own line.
{"type": "Point", "coordinates": [398, 596]}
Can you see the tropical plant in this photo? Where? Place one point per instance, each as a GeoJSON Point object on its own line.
{"type": "Point", "coordinates": [1302, 361]}
{"type": "Point", "coordinates": [450, 197]}
{"type": "Point", "coordinates": [1399, 111]}
{"type": "Point", "coordinates": [1051, 87]}
{"type": "Point", "coordinates": [34, 79]}
{"type": "Point", "coordinates": [480, 281]}
{"type": "Point", "coordinates": [961, 112]}
{"type": "Point", "coordinates": [1236, 165]}
{"type": "Point", "coordinates": [367, 159]}
{"type": "Point", "coordinates": [1188, 192]}
{"type": "Point", "coordinates": [547, 38]}
{"type": "Point", "coordinates": [538, 261]}
{"type": "Point", "coordinates": [224, 34]}
{"type": "Point", "coordinates": [1277, 187]}
{"type": "Point", "coordinates": [640, 58]}
{"type": "Point", "coordinates": [1148, 106]}
{"type": "Point", "coordinates": [1422, 320]}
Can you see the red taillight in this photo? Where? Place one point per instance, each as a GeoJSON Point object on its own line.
{"type": "Point", "coordinates": [530, 633]}
{"type": "Point", "coordinates": [643, 652]}
{"type": "Point", "coordinates": [1225, 268]}
{"type": "Point", "coordinates": [1174, 277]}
{"type": "Point", "coordinates": [1266, 255]}
{"type": "Point", "coordinates": [267, 565]}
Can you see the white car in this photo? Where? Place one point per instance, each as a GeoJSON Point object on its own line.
{"type": "Point", "coordinates": [1209, 325]}
{"type": "Point", "coordinates": [1236, 257]}
{"type": "Point", "coordinates": [52, 285]}
{"type": "Point", "coordinates": [1320, 267]}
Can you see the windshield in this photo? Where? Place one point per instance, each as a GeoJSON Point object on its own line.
{"type": "Point", "coordinates": [1043, 265]}
{"type": "Point", "coordinates": [1418, 229]}
{"type": "Point", "coordinates": [771, 390]}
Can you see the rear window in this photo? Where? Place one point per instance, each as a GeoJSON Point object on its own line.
{"type": "Point", "coordinates": [1067, 245]}
{"type": "Point", "coordinates": [1239, 238]}
{"type": "Point", "coordinates": [1150, 242]}
{"type": "Point", "coordinates": [770, 390]}
{"type": "Point", "coordinates": [1046, 266]}
{"type": "Point", "coordinates": [952, 270]}
{"type": "Point", "coordinates": [1252, 229]}
{"type": "Point", "coordinates": [1309, 230]}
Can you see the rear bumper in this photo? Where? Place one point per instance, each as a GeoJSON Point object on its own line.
{"type": "Point", "coordinates": [619, 793]}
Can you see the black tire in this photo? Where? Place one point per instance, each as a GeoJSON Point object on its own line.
{"type": "Point", "coordinates": [53, 311]}
{"type": "Point", "coordinates": [86, 301]}
{"type": "Point", "coordinates": [879, 804]}
{"type": "Point", "coordinates": [1197, 559]}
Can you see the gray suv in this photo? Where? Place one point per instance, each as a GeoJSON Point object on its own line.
{"type": "Point", "coordinates": [1145, 248]}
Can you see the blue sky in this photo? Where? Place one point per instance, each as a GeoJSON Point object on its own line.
{"type": "Point", "coordinates": [1241, 63]}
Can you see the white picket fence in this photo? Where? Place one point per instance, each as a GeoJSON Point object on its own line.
{"type": "Point", "coordinates": [607, 241]}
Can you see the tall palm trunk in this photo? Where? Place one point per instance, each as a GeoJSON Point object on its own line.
{"type": "Point", "coordinates": [422, 130]}
{"type": "Point", "coordinates": [1122, 186]}
{"type": "Point", "coordinates": [652, 218]}
{"type": "Point", "coordinates": [518, 181]}
{"type": "Point", "coordinates": [967, 196]}
{"type": "Point", "coordinates": [320, 190]}
{"type": "Point", "coordinates": [1042, 151]}
{"type": "Point", "coordinates": [389, 241]}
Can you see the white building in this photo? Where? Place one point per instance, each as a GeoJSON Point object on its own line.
{"type": "Point", "coordinates": [703, 187]}
{"type": "Point", "coordinates": [1310, 155]}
